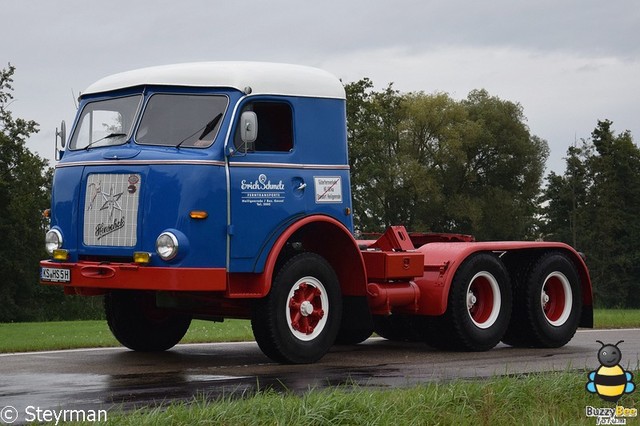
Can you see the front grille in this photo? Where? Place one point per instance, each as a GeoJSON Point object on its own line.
{"type": "Point", "coordinates": [105, 259]}
{"type": "Point", "coordinates": [111, 210]}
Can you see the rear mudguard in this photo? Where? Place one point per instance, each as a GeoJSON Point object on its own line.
{"type": "Point", "coordinates": [442, 260]}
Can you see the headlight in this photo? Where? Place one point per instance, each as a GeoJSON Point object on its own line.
{"type": "Point", "coordinates": [53, 240]}
{"type": "Point", "coordinates": [167, 246]}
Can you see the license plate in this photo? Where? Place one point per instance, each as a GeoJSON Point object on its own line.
{"type": "Point", "coordinates": [55, 275]}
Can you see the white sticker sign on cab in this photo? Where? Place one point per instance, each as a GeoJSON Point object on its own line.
{"type": "Point", "coordinates": [328, 189]}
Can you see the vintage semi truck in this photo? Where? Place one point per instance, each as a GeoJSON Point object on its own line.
{"type": "Point", "coordinates": [222, 190]}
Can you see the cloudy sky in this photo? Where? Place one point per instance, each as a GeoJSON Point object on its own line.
{"type": "Point", "coordinates": [568, 63]}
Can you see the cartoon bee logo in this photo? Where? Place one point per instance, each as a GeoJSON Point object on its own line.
{"type": "Point", "coordinates": [610, 381]}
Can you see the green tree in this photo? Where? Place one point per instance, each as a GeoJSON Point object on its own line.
{"type": "Point", "coordinates": [594, 206]}
{"type": "Point", "coordinates": [23, 196]}
{"type": "Point", "coordinates": [432, 163]}
{"type": "Point", "coordinates": [25, 181]}
{"type": "Point", "coordinates": [373, 123]}
{"type": "Point", "coordinates": [565, 198]}
{"type": "Point", "coordinates": [614, 206]}
{"type": "Point", "coordinates": [432, 132]}
{"type": "Point", "coordinates": [503, 166]}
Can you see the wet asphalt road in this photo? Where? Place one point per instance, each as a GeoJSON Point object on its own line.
{"type": "Point", "coordinates": [94, 379]}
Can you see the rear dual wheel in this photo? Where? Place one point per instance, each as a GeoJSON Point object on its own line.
{"type": "Point", "coordinates": [548, 304]}
{"type": "Point", "coordinates": [478, 308]}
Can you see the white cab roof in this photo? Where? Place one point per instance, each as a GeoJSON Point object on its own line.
{"type": "Point", "coordinates": [261, 77]}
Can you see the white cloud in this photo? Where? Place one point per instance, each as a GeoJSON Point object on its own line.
{"type": "Point", "coordinates": [563, 95]}
{"type": "Point", "coordinates": [568, 63]}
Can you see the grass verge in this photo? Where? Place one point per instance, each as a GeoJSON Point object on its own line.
{"type": "Point", "coordinates": [616, 318]}
{"type": "Point", "coordinates": [554, 398]}
{"type": "Point", "coordinates": [40, 336]}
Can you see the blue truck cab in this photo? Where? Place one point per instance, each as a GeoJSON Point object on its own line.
{"type": "Point", "coordinates": [183, 179]}
{"type": "Point", "coordinates": [151, 147]}
{"type": "Point", "coordinates": [221, 190]}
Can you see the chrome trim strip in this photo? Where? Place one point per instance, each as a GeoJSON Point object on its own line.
{"type": "Point", "coordinates": [292, 166]}
{"type": "Point", "coordinates": [227, 172]}
{"type": "Point", "coordinates": [204, 163]}
{"type": "Point", "coordinates": [141, 163]}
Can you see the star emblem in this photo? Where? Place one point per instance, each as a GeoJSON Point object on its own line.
{"type": "Point", "coordinates": [111, 201]}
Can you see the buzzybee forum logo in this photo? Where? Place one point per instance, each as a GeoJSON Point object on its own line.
{"type": "Point", "coordinates": [610, 381]}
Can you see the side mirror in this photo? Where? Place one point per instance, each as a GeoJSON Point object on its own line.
{"type": "Point", "coordinates": [248, 129]}
{"type": "Point", "coordinates": [62, 134]}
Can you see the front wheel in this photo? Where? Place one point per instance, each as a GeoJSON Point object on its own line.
{"type": "Point", "coordinates": [298, 321]}
{"type": "Point", "coordinates": [137, 323]}
{"type": "Point", "coordinates": [548, 304]}
{"type": "Point", "coordinates": [479, 306]}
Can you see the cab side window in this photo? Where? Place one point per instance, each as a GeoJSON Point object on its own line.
{"type": "Point", "coordinates": [275, 127]}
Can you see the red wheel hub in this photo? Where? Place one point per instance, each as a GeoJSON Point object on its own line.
{"type": "Point", "coordinates": [554, 299]}
{"type": "Point", "coordinates": [483, 299]}
{"type": "Point", "coordinates": [305, 308]}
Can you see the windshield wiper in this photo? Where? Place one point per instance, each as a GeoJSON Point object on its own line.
{"type": "Point", "coordinates": [206, 129]}
{"type": "Point", "coordinates": [109, 136]}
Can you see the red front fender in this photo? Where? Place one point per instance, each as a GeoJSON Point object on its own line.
{"type": "Point", "coordinates": [319, 234]}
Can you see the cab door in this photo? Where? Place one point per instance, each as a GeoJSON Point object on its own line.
{"type": "Point", "coordinates": [268, 188]}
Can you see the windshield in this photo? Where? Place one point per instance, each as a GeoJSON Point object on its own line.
{"type": "Point", "coordinates": [105, 123]}
{"type": "Point", "coordinates": [181, 120]}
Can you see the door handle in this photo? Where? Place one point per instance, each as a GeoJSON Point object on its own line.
{"type": "Point", "coordinates": [302, 186]}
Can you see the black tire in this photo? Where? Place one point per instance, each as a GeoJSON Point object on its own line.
{"type": "Point", "coordinates": [478, 308]}
{"type": "Point", "coordinates": [548, 304]}
{"type": "Point", "coordinates": [353, 336]}
{"type": "Point", "coordinates": [298, 321]}
{"type": "Point", "coordinates": [399, 328]}
{"type": "Point", "coordinates": [137, 323]}
{"type": "Point", "coordinates": [356, 325]}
